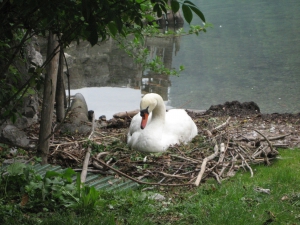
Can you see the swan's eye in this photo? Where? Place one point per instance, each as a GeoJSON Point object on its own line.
{"type": "Point", "coordinates": [143, 111]}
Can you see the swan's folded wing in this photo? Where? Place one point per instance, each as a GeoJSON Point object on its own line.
{"type": "Point", "coordinates": [180, 126]}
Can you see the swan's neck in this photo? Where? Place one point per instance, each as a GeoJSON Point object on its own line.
{"type": "Point", "coordinates": [159, 112]}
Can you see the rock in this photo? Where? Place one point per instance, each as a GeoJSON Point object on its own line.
{"type": "Point", "coordinates": [30, 106]}
{"type": "Point", "coordinates": [79, 109]}
{"type": "Point", "coordinates": [24, 122]}
{"type": "Point", "coordinates": [157, 197]}
{"type": "Point", "coordinates": [33, 52]}
{"type": "Point", "coordinates": [28, 110]}
{"type": "Point", "coordinates": [78, 119]}
{"type": "Point", "coordinates": [14, 135]}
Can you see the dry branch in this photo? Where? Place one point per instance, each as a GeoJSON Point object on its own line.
{"type": "Point", "coordinates": [138, 181]}
{"type": "Point", "coordinates": [264, 150]}
{"type": "Point", "coordinates": [126, 114]}
{"type": "Point", "coordinates": [261, 139]}
{"type": "Point", "coordinates": [203, 166]}
{"type": "Point", "coordinates": [97, 165]}
{"type": "Point", "coordinates": [222, 153]}
{"type": "Point", "coordinates": [88, 154]}
{"type": "Point", "coordinates": [222, 126]}
{"type": "Point", "coordinates": [173, 175]}
{"type": "Point", "coordinates": [244, 161]}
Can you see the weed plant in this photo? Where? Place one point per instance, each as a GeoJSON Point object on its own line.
{"type": "Point", "coordinates": [55, 200]}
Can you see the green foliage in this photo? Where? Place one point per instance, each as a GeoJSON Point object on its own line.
{"type": "Point", "coordinates": [187, 8]}
{"type": "Point", "coordinates": [139, 53]}
{"type": "Point", "coordinates": [235, 201]}
{"type": "Point", "coordinates": [22, 189]}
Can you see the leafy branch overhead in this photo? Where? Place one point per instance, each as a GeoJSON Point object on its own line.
{"type": "Point", "coordinates": [91, 20]}
{"type": "Point", "coordinates": [118, 16]}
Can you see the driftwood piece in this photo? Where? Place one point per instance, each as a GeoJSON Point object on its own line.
{"type": "Point", "coordinates": [244, 161]}
{"type": "Point", "coordinates": [87, 155]}
{"type": "Point", "coordinates": [225, 165]}
{"type": "Point", "coordinates": [222, 126]}
{"type": "Point", "coordinates": [203, 166]}
{"type": "Point", "coordinates": [187, 158]}
{"type": "Point", "coordinates": [217, 177]}
{"type": "Point", "coordinates": [123, 115]}
{"type": "Point", "coordinates": [222, 153]}
{"type": "Point", "coordinates": [173, 175]}
{"type": "Point", "coordinates": [261, 139]}
{"type": "Point", "coordinates": [96, 164]}
{"type": "Point", "coordinates": [262, 190]}
{"type": "Point", "coordinates": [270, 145]}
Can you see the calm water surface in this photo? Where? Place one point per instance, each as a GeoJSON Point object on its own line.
{"type": "Point", "coordinates": [250, 54]}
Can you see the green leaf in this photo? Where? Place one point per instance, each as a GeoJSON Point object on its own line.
{"type": "Point", "coordinates": [198, 12]}
{"type": "Point", "coordinates": [175, 6]}
{"type": "Point", "coordinates": [16, 168]}
{"type": "Point", "coordinates": [112, 28]}
{"type": "Point", "coordinates": [187, 13]}
{"type": "Point", "coordinates": [119, 24]}
{"type": "Point", "coordinates": [189, 2]}
{"type": "Point", "coordinates": [163, 8]}
{"type": "Point", "coordinates": [68, 173]}
{"type": "Point", "coordinates": [50, 174]}
{"type": "Point", "coordinates": [157, 9]}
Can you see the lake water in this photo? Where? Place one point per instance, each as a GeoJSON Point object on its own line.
{"type": "Point", "coordinates": [252, 53]}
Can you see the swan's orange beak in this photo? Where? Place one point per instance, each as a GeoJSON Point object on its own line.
{"type": "Point", "coordinates": [144, 120]}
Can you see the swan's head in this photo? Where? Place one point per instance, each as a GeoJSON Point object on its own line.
{"type": "Point", "coordinates": [148, 103]}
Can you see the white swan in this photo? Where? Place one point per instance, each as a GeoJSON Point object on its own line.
{"type": "Point", "coordinates": [154, 129]}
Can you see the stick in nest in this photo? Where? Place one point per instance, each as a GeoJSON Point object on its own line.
{"type": "Point", "coordinates": [265, 139]}
{"type": "Point", "coordinates": [87, 155]}
{"type": "Point", "coordinates": [242, 157]}
{"type": "Point", "coordinates": [203, 166]}
{"type": "Point", "coordinates": [221, 126]}
{"type": "Point", "coordinates": [135, 180]}
{"type": "Point", "coordinates": [270, 145]}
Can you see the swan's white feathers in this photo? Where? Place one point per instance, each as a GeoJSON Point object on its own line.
{"type": "Point", "coordinates": [163, 128]}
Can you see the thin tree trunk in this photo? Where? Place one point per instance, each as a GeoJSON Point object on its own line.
{"type": "Point", "coordinates": [48, 99]}
{"type": "Point", "coordinates": [60, 97]}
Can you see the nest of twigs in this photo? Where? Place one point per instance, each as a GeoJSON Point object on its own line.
{"type": "Point", "coordinates": [222, 147]}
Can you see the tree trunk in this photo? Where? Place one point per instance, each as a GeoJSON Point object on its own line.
{"type": "Point", "coordinates": [60, 97]}
{"type": "Point", "coordinates": [48, 98]}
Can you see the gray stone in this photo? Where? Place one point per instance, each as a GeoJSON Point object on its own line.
{"type": "Point", "coordinates": [22, 122]}
{"type": "Point", "coordinates": [157, 197]}
{"type": "Point", "coordinates": [79, 106]}
{"type": "Point", "coordinates": [33, 52]}
{"type": "Point", "coordinates": [16, 136]}
{"type": "Point", "coordinates": [30, 106]}
{"type": "Point", "coordinates": [78, 118]}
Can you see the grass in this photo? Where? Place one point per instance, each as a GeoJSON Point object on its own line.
{"type": "Point", "coordinates": [233, 202]}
